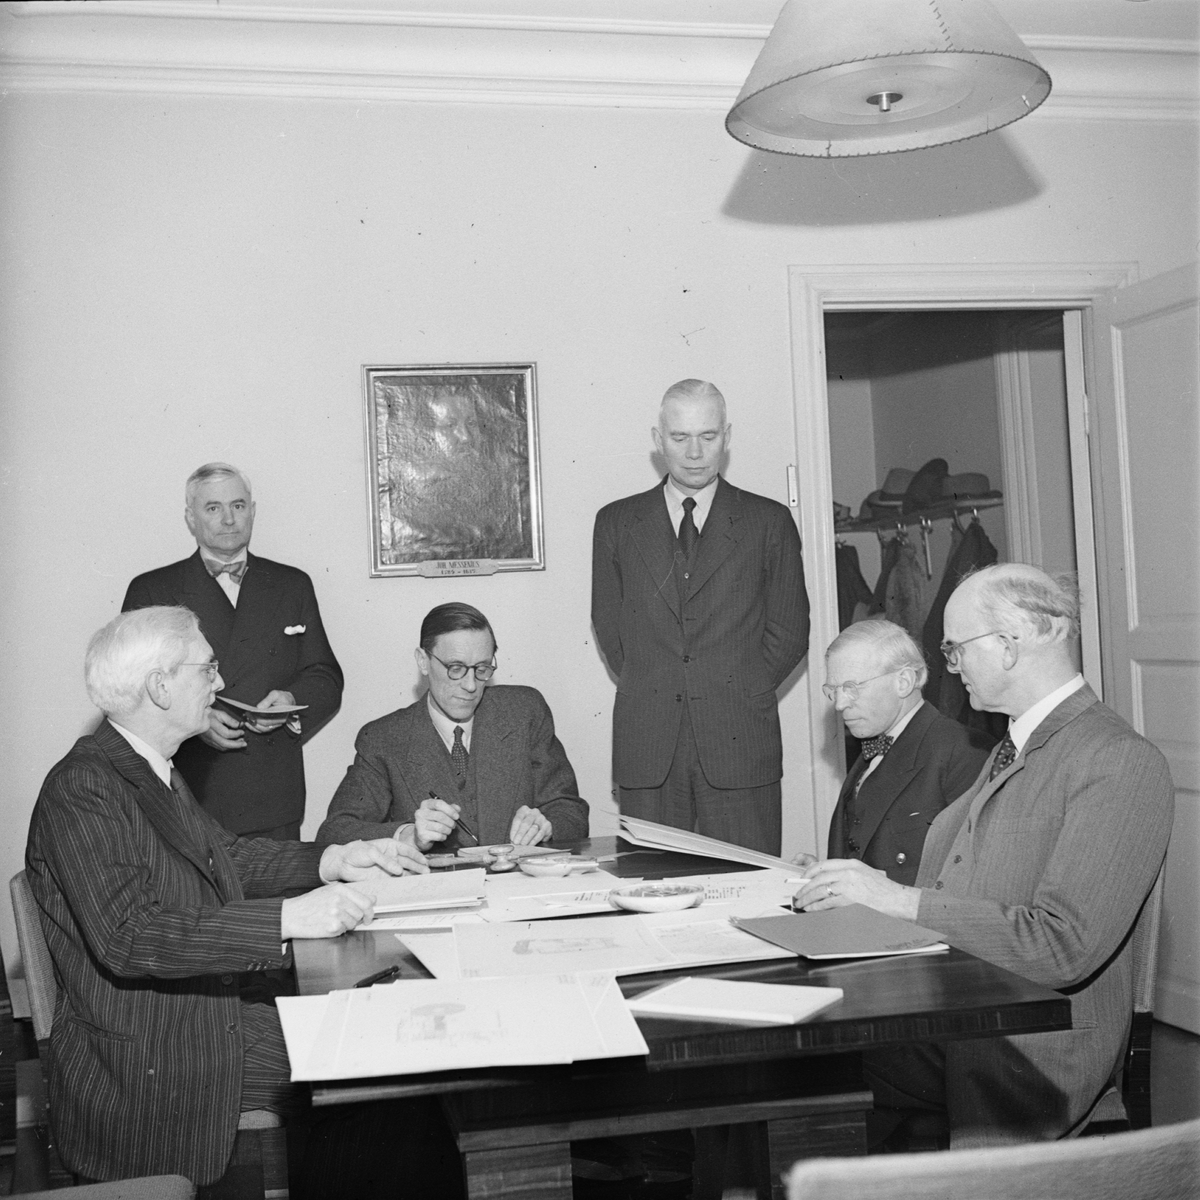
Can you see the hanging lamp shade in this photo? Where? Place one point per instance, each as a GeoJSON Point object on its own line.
{"type": "Point", "coordinates": [838, 78]}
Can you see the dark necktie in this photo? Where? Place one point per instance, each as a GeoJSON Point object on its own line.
{"type": "Point", "coordinates": [873, 747]}
{"type": "Point", "coordinates": [688, 533]}
{"type": "Point", "coordinates": [235, 570]}
{"type": "Point", "coordinates": [458, 753]}
{"type": "Point", "coordinates": [180, 788]}
{"type": "Point", "coordinates": [1005, 753]}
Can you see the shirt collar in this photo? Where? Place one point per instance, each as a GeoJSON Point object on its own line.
{"type": "Point", "coordinates": [1020, 729]}
{"type": "Point", "coordinates": [159, 765]}
{"type": "Point", "coordinates": [217, 562]}
{"type": "Point", "coordinates": [445, 726]}
{"type": "Point", "coordinates": [703, 498]}
{"type": "Point", "coordinates": [902, 724]}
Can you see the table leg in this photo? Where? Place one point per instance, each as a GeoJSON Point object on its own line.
{"type": "Point", "coordinates": [541, 1172]}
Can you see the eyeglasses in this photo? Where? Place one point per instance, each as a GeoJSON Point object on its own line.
{"type": "Point", "coordinates": [456, 670]}
{"type": "Point", "coordinates": [209, 668]}
{"type": "Point", "coordinates": [851, 686]}
{"type": "Point", "coordinates": [951, 650]}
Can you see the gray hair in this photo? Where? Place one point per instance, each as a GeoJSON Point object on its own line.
{"type": "Point", "coordinates": [212, 470]}
{"type": "Point", "coordinates": [129, 647]}
{"type": "Point", "coordinates": [1016, 594]}
{"type": "Point", "coordinates": [895, 645]}
{"type": "Point", "coordinates": [692, 389]}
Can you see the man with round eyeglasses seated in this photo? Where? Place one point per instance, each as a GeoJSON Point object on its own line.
{"type": "Point", "coordinates": [1042, 868]}
{"type": "Point", "coordinates": [914, 760]}
{"type": "Point", "coordinates": [164, 927]}
{"type": "Point", "coordinates": [471, 762]}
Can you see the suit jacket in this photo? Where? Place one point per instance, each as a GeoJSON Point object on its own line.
{"type": "Point", "coordinates": [1043, 871]}
{"type": "Point", "coordinates": [931, 763]}
{"type": "Point", "coordinates": [728, 644]}
{"type": "Point", "coordinates": [515, 759]}
{"type": "Point", "coordinates": [261, 786]}
{"type": "Point", "coordinates": [148, 933]}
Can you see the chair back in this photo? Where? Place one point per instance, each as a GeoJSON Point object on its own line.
{"type": "Point", "coordinates": [35, 955]}
{"type": "Point", "coordinates": [1149, 1164]}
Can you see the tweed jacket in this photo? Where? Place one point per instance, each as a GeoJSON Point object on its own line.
{"type": "Point", "coordinates": [737, 634]}
{"type": "Point", "coordinates": [515, 759]}
{"type": "Point", "coordinates": [261, 786]}
{"type": "Point", "coordinates": [931, 763]}
{"type": "Point", "coordinates": [148, 935]}
{"type": "Point", "coordinates": [1043, 871]}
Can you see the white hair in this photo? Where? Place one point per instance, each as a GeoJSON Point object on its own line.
{"type": "Point", "coordinates": [212, 470]}
{"type": "Point", "coordinates": [895, 646]}
{"type": "Point", "coordinates": [1016, 596]}
{"type": "Point", "coordinates": [129, 647]}
{"type": "Point", "coordinates": [692, 389]}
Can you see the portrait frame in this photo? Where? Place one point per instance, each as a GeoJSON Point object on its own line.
{"type": "Point", "coordinates": [453, 469]}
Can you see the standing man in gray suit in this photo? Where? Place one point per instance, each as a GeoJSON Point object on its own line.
{"type": "Point", "coordinates": [1042, 867]}
{"type": "Point", "coordinates": [470, 763]}
{"type": "Point", "coordinates": [699, 606]}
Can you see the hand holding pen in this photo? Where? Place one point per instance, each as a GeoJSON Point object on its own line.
{"type": "Point", "coordinates": [435, 821]}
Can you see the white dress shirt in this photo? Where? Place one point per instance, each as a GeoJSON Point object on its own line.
{"type": "Point", "coordinates": [675, 498]}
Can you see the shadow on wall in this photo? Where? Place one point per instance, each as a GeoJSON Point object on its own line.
{"type": "Point", "coordinates": [982, 174]}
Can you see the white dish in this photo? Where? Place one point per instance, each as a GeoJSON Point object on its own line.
{"type": "Point", "coordinates": [657, 897]}
{"type": "Point", "coordinates": [546, 868]}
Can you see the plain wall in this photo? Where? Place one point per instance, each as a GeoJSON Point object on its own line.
{"type": "Point", "coordinates": [190, 278]}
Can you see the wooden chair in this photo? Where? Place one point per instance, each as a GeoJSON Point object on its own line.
{"type": "Point", "coordinates": [1146, 1164]}
{"type": "Point", "coordinates": [259, 1162]}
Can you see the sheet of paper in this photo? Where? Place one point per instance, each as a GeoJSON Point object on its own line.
{"type": "Point", "coordinates": [696, 938]}
{"type": "Point", "coordinates": [519, 886]}
{"type": "Point", "coordinates": [612, 943]}
{"type": "Point", "coordinates": [436, 919]}
{"type": "Point", "coordinates": [735, 1000]}
{"type": "Point", "coordinates": [439, 1025]}
{"type": "Point", "coordinates": [405, 893]}
{"type": "Point", "coordinates": [436, 951]}
{"type": "Point", "coordinates": [665, 837]}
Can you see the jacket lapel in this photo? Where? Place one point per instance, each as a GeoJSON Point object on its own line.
{"type": "Point", "coordinates": [156, 800]}
{"type": "Point", "coordinates": [651, 531]}
{"type": "Point", "coordinates": [893, 775]}
{"type": "Point", "coordinates": [720, 537]}
{"type": "Point", "coordinates": [206, 598]}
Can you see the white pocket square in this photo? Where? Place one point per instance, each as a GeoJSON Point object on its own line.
{"type": "Point", "coordinates": [292, 630]}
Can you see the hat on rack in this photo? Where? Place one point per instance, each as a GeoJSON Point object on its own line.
{"type": "Point", "coordinates": [886, 501]}
{"type": "Point", "coordinates": [925, 490]}
{"type": "Point", "coordinates": [970, 485]}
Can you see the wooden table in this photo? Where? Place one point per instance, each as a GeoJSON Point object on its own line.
{"type": "Point", "coordinates": [799, 1086]}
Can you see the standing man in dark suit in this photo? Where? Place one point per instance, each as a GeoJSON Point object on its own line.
{"type": "Point", "coordinates": [162, 925]}
{"type": "Point", "coordinates": [914, 760]}
{"type": "Point", "coordinates": [1042, 867]}
{"type": "Point", "coordinates": [699, 606]}
{"type": "Point", "coordinates": [468, 756]}
{"type": "Point", "coordinates": [261, 618]}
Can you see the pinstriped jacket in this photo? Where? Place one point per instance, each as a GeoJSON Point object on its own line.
{"type": "Point", "coordinates": [736, 635]}
{"type": "Point", "coordinates": [148, 936]}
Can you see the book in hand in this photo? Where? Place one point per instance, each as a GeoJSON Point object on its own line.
{"type": "Point", "coordinates": [852, 931]}
{"type": "Point", "coordinates": [734, 1000]}
{"type": "Point", "coordinates": [252, 710]}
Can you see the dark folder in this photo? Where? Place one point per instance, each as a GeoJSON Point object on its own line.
{"type": "Point", "coordinates": [852, 931]}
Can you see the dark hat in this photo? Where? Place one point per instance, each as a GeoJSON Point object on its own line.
{"type": "Point", "coordinates": [925, 490]}
{"type": "Point", "coordinates": [894, 487]}
{"type": "Point", "coordinates": [970, 485]}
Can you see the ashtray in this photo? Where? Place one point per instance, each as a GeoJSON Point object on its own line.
{"type": "Point", "coordinates": [546, 868]}
{"type": "Point", "coordinates": [657, 897]}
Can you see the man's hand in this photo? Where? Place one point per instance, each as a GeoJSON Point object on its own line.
{"type": "Point", "coordinates": [803, 859]}
{"type": "Point", "coordinates": [224, 731]}
{"type": "Point", "coordinates": [370, 860]}
{"type": "Point", "coordinates": [273, 699]}
{"type": "Point", "coordinates": [529, 827]}
{"type": "Point", "coordinates": [433, 822]}
{"type": "Point", "coordinates": [325, 912]}
{"type": "Point", "coordinates": [839, 881]}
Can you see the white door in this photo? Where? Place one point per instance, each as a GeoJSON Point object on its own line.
{"type": "Point", "coordinates": [1145, 429]}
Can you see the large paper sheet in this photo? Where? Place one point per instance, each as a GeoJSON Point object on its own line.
{"type": "Point", "coordinates": [695, 938]}
{"type": "Point", "coordinates": [437, 1025]}
{"type": "Point", "coordinates": [542, 899]}
{"type": "Point", "coordinates": [666, 837]}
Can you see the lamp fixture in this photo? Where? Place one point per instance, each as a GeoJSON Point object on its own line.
{"type": "Point", "coordinates": [840, 78]}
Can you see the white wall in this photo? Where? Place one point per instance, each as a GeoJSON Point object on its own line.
{"type": "Point", "coordinates": [190, 278]}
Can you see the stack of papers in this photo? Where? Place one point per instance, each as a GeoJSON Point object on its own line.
{"type": "Point", "coordinates": [852, 931]}
{"type": "Point", "coordinates": [666, 837]}
{"type": "Point", "coordinates": [439, 1025]}
{"type": "Point", "coordinates": [734, 1000]}
{"type": "Point", "coordinates": [409, 893]}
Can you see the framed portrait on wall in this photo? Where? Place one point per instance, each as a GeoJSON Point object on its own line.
{"type": "Point", "coordinates": [452, 469]}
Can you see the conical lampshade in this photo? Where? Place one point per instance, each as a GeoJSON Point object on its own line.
{"type": "Point", "coordinates": [838, 78]}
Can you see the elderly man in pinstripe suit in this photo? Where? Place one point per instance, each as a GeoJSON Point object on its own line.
{"type": "Point", "coordinates": [160, 922]}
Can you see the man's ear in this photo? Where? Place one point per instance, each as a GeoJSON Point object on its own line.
{"type": "Point", "coordinates": [1011, 651]}
{"type": "Point", "coordinates": [906, 682]}
{"type": "Point", "coordinates": [422, 660]}
{"type": "Point", "coordinates": [157, 689]}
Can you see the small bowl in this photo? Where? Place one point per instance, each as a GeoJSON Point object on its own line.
{"type": "Point", "coordinates": [475, 853]}
{"type": "Point", "coordinates": [657, 897]}
{"type": "Point", "coordinates": [541, 868]}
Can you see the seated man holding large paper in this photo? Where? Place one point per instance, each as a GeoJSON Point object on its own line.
{"type": "Point", "coordinates": [1041, 867]}
{"type": "Point", "coordinates": [467, 763]}
{"type": "Point", "coordinates": [161, 923]}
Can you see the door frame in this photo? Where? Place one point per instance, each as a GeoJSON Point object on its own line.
{"type": "Point", "coordinates": [812, 292]}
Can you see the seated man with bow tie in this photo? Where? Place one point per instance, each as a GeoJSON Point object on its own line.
{"type": "Point", "coordinates": [1041, 867]}
{"type": "Point", "coordinates": [470, 763]}
{"type": "Point", "coordinates": [164, 927]}
{"type": "Point", "coordinates": [914, 760]}
{"type": "Point", "coordinates": [262, 620]}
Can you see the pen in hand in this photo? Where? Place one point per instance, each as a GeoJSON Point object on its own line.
{"type": "Point", "coordinates": [461, 824]}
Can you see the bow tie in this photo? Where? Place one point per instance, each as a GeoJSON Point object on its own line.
{"type": "Point", "coordinates": [235, 570]}
{"type": "Point", "coordinates": [873, 747]}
